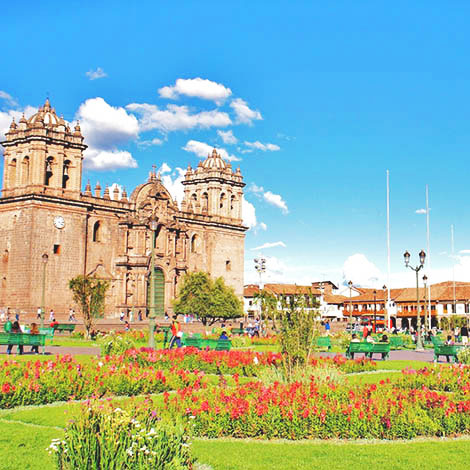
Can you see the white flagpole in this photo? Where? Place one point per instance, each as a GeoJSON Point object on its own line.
{"type": "Point", "coordinates": [388, 249]}
{"type": "Point", "coordinates": [429, 256]}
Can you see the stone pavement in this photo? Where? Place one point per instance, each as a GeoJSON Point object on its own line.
{"type": "Point", "coordinates": [53, 350]}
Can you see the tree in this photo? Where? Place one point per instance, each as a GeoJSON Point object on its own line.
{"type": "Point", "coordinates": [268, 305]}
{"type": "Point", "coordinates": [298, 331]}
{"type": "Point", "coordinates": [208, 300]}
{"type": "Point", "coordinates": [89, 293]}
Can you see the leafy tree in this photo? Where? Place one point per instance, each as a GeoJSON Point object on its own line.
{"type": "Point", "coordinates": [89, 293]}
{"type": "Point", "coordinates": [268, 304]}
{"type": "Point", "coordinates": [208, 300]}
{"type": "Point", "coordinates": [298, 317]}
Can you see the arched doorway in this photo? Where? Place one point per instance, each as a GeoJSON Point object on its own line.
{"type": "Point", "coordinates": [159, 293]}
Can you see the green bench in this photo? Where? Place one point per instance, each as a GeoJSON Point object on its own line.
{"type": "Point", "coordinates": [22, 339]}
{"type": "Point", "coordinates": [323, 342]}
{"type": "Point", "coordinates": [65, 327]}
{"type": "Point", "coordinates": [368, 349]}
{"type": "Point", "coordinates": [446, 350]}
{"type": "Point", "coordinates": [217, 344]}
{"type": "Point", "coordinates": [237, 331]}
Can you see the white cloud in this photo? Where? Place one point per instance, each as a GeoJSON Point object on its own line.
{"type": "Point", "coordinates": [263, 226]}
{"type": "Point", "coordinates": [177, 118]}
{"type": "Point", "coordinates": [96, 74]}
{"type": "Point", "coordinates": [243, 114]}
{"type": "Point", "coordinates": [105, 126]}
{"type": "Point", "coordinates": [7, 116]}
{"type": "Point", "coordinates": [248, 213]}
{"type": "Point", "coordinates": [150, 143]}
{"type": "Point", "coordinates": [9, 100]}
{"type": "Point", "coordinates": [271, 198]}
{"type": "Point", "coordinates": [99, 159]}
{"type": "Point", "coordinates": [264, 147]}
{"type": "Point", "coordinates": [363, 273]}
{"type": "Point", "coordinates": [196, 87]}
{"type": "Point", "coordinates": [172, 180]}
{"type": "Point", "coordinates": [201, 149]}
{"type": "Point", "coordinates": [420, 211]}
{"type": "Point", "coordinates": [464, 252]}
{"type": "Point", "coordinates": [227, 137]}
{"type": "Point", "coordinates": [270, 245]}
{"type": "Point", "coordinates": [276, 200]}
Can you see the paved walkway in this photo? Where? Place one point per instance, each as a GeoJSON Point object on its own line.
{"type": "Point", "coordinates": [53, 350]}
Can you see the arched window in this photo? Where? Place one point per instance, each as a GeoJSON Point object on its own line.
{"type": "Point", "coordinates": [205, 202]}
{"type": "Point", "coordinates": [195, 244]}
{"type": "Point", "coordinates": [12, 178]}
{"type": "Point", "coordinates": [65, 174]}
{"type": "Point", "coordinates": [232, 203]}
{"type": "Point", "coordinates": [25, 171]}
{"type": "Point", "coordinates": [48, 172]}
{"type": "Point", "coordinates": [97, 232]}
{"type": "Point", "coordinates": [223, 200]}
{"type": "Point", "coordinates": [194, 198]}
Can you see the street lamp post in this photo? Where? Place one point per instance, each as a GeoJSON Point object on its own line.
{"type": "Point", "coordinates": [386, 318]}
{"type": "Point", "coordinates": [427, 313]}
{"type": "Point", "coordinates": [350, 284]}
{"type": "Point", "coordinates": [152, 314]}
{"type": "Point", "coordinates": [45, 259]}
{"type": "Point", "coordinates": [260, 266]}
{"type": "Point", "coordinates": [375, 311]}
{"type": "Point", "coordinates": [422, 257]}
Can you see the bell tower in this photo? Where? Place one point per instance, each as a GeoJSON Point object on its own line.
{"type": "Point", "coordinates": [43, 155]}
{"type": "Point", "coordinates": [214, 189]}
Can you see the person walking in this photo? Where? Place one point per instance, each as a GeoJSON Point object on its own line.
{"type": "Point", "coordinates": [327, 328]}
{"type": "Point", "coordinates": [139, 315]}
{"type": "Point", "coordinates": [34, 331]}
{"type": "Point", "coordinates": [456, 334]}
{"type": "Point", "coordinates": [464, 334]}
{"type": "Point", "coordinates": [51, 315]}
{"type": "Point", "coordinates": [131, 315]}
{"type": "Point", "coordinates": [15, 329]}
{"type": "Point", "coordinates": [38, 315]}
{"type": "Point", "coordinates": [176, 333]}
{"type": "Point", "coordinates": [7, 326]}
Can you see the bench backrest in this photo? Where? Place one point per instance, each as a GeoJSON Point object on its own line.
{"type": "Point", "coordinates": [381, 347]}
{"type": "Point", "coordinates": [194, 342]}
{"type": "Point", "coordinates": [324, 341]}
{"type": "Point", "coordinates": [65, 327]}
{"type": "Point", "coordinates": [223, 345]}
{"type": "Point", "coordinates": [445, 349]}
{"type": "Point", "coordinates": [363, 346]}
{"type": "Point", "coordinates": [21, 338]}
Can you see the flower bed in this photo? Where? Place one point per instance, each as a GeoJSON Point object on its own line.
{"type": "Point", "coordinates": [321, 410]}
{"type": "Point", "coordinates": [40, 382]}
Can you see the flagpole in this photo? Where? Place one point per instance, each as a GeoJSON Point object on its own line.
{"type": "Point", "coordinates": [429, 256]}
{"type": "Point", "coordinates": [388, 249]}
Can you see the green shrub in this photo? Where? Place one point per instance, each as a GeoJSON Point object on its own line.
{"type": "Point", "coordinates": [101, 437]}
{"type": "Point", "coordinates": [463, 355]}
{"type": "Point", "coordinates": [115, 344]}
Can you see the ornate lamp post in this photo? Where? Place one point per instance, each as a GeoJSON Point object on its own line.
{"type": "Point", "coordinates": [375, 311]}
{"type": "Point", "coordinates": [422, 257]}
{"type": "Point", "coordinates": [152, 314]}
{"type": "Point", "coordinates": [45, 259]}
{"type": "Point", "coordinates": [387, 320]}
{"type": "Point", "coordinates": [350, 284]}
{"type": "Point", "coordinates": [427, 314]}
{"type": "Point", "coordinates": [260, 266]}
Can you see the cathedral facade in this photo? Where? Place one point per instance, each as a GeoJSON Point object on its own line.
{"type": "Point", "coordinates": [52, 231]}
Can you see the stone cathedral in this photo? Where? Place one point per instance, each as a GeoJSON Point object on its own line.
{"type": "Point", "coordinates": [43, 211]}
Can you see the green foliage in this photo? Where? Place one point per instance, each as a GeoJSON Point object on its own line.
{"type": "Point", "coordinates": [207, 299]}
{"type": "Point", "coordinates": [298, 331]}
{"type": "Point", "coordinates": [114, 344]}
{"type": "Point", "coordinates": [269, 305]}
{"type": "Point", "coordinates": [89, 293]}
{"type": "Point", "coordinates": [101, 437]}
{"type": "Point", "coordinates": [463, 355]}
{"type": "Point", "coordinates": [449, 323]}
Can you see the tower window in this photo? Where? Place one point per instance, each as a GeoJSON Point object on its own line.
{"type": "Point", "coordinates": [65, 174]}
{"type": "Point", "coordinates": [13, 173]}
{"type": "Point", "coordinates": [56, 250]}
{"type": "Point", "coordinates": [228, 265]}
{"type": "Point", "coordinates": [195, 244]}
{"type": "Point", "coordinates": [25, 171]}
{"type": "Point", "coordinates": [48, 174]}
{"type": "Point", "coordinates": [97, 232]}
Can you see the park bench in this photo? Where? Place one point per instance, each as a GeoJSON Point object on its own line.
{"type": "Point", "coordinates": [217, 344]}
{"type": "Point", "coordinates": [323, 342]}
{"type": "Point", "coordinates": [23, 339]}
{"type": "Point", "coordinates": [47, 332]}
{"type": "Point", "coordinates": [446, 350]}
{"type": "Point", "coordinates": [237, 331]}
{"type": "Point", "coordinates": [65, 327]}
{"type": "Point", "coordinates": [358, 348]}
{"type": "Point", "coordinates": [380, 348]}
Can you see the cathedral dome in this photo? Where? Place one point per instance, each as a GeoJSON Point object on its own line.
{"type": "Point", "coordinates": [45, 116]}
{"type": "Point", "coordinates": [214, 161]}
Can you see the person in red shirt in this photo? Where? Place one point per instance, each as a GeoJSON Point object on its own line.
{"type": "Point", "coordinates": [176, 333]}
{"type": "Point", "coordinates": [365, 332]}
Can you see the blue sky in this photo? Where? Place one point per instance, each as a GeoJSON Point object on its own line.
{"type": "Point", "coordinates": [321, 98]}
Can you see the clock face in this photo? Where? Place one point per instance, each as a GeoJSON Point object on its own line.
{"type": "Point", "coordinates": [59, 221]}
